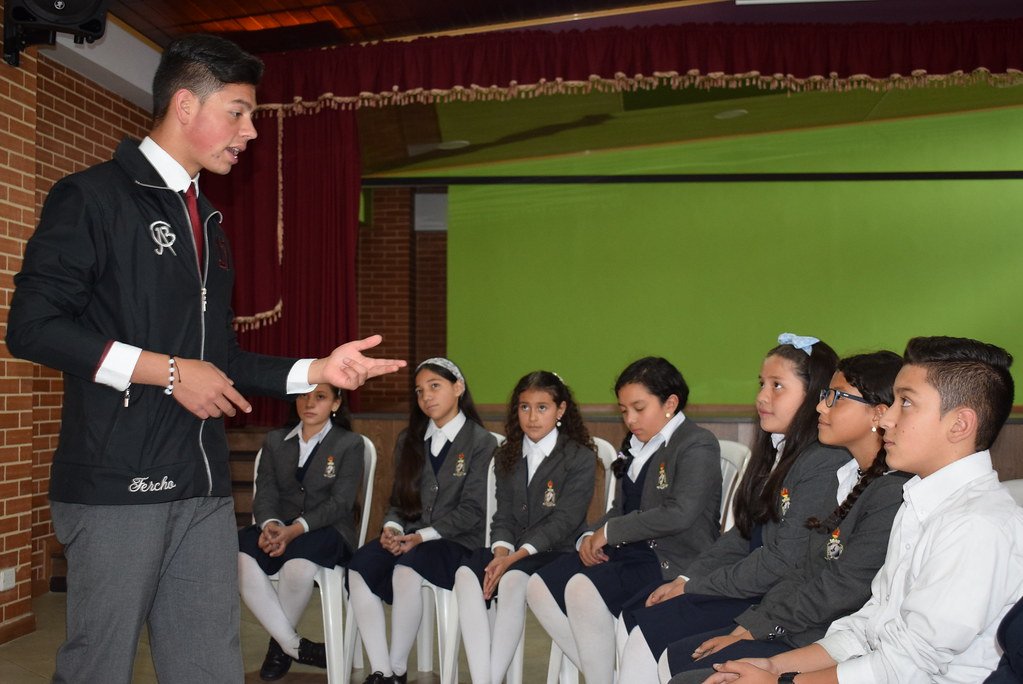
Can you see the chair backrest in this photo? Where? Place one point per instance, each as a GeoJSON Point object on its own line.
{"type": "Point", "coordinates": [1015, 488]}
{"type": "Point", "coordinates": [491, 491]}
{"type": "Point", "coordinates": [734, 458]}
{"type": "Point", "coordinates": [607, 454]}
{"type": "Point", "coordinates": [491, 502]}
{"type": "Point", "coordinates": [369, 469]}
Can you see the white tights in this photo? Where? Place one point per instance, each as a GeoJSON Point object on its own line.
{"type": "Point", "coordinates": [548, 613]}
{"type": "Point", "coordinates": [490, 646]}
{"type": "Point", "coordinates": [278, 611]}
{"type": "Point", "coordinates": [593, 627]}
{"type": "Point", "coordinates": [638, 663]}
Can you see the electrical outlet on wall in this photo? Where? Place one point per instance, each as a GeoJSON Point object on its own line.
{"type": "Point", "coordinates": [6, 579]}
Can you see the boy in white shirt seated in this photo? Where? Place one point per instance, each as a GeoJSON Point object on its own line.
{"type": "Point", "coordinates": [954, 565]}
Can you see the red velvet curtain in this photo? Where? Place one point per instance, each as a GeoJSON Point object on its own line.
{"type": "Point", "coordinates": [319, 204]}
{"type": "Point", "coordinates": [799, 51]}
{"type": "Point", "coordinates": [316, 92]}
{"type": "Point", "coordinates": [248, 199]}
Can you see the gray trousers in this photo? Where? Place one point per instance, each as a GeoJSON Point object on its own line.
{"type": "Point", "coordinates": [171, 565]}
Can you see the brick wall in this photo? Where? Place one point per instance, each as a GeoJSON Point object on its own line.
{"type": "Point", "coordinates": [431, 294]}
{"type": "Point", "coordinates": [402, 293]}
{"type": "Point", "coordinates": [384, 264]}
{"type": "Point", "coordinates": [52, 122]}
{"type": "Point", "coordinates": [17, 218]}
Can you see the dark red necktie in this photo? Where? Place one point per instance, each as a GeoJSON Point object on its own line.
{"type": "Point", "coordinates": [193, 213]}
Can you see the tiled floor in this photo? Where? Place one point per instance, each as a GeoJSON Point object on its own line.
{"type": "Point", "coordinates": [29, 660]}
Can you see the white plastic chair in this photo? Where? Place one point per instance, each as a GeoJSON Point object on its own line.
{"type": "Point", "coordinates": [1015, 488]}
{"type": "Point", "coordinates": [561, 670]}
{"type": "Point", "coordinates": [331, 581]}
{"type": "Point", "coordinates": [734, 459]}
{"type": "Point", "coordinates": [444, 606]}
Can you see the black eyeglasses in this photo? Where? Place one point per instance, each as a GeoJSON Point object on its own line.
{"type": "Point", "coordinates": [831, 395]}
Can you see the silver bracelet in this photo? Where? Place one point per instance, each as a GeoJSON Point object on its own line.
{"type": "Point", "coordinates": [170, 382]}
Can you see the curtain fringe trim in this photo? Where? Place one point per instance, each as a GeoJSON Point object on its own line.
{"type": "Point", "coordinates": [623, 83]}
{"type": "Point", "coordinates": [246, 323]}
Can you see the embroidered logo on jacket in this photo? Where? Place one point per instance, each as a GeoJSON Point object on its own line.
{"type": "Point", "coordinates": [835, 547]}
{"type": "Point", "coordinates": [549, 498]}
{"type": "Point", "coordinates": [143, 484]}
{"type": "Point", "coordinates": [662, 477]}
{"type": "Point", "coordinates": [460, 466]}
{"type": "Point", "coordinates": [330, 471]}
{"type": "Point", "coordinates": [786, 501]}
{"type": "Point", "coordinates": [163, 236]}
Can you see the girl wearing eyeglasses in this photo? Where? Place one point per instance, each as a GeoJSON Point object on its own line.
{"type": "Point", "coordinates": [844, 550]}
{"type": "Point", "coordinates": [790, 477]}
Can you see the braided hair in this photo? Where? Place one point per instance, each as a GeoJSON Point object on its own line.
{"type": "Point", "coordinates": [873, 375]}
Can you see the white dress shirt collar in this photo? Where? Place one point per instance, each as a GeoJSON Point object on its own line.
{"type": "Point", "coordinates": [848, 475]}
{"type": "Point", "coordinates": [439, 435]}
{"type": "Point", "coordinates": [305, 449]}
{"type": "Point", "coordinates": [778, 440]}
{"type": "Point", "coordinates": [925, 495]}
{"type": "Point", "coordinates": [536, 452]}
{"type": "Point", "coordinates": [642, 452]}
{"type": "Point", "coordinates": [172, 173]}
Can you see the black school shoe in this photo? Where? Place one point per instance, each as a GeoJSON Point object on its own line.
{"type": "Point", "coordinates": [312, 653]}
{"type": "Point", "coordinates": [377, 678]}
{"type": "Point", "coordinates": [276, 663]}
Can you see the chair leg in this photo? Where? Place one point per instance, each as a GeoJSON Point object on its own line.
{"type": "Point", "coordinates": [332, 600]}
{"type": "Point", "coordinates": [561, 670]}
{"type": "Point", "coordinates": [448, 634]}
{"type": "Point", "coordinates": [424, 640]}
{"type": "Point", "coordinates": [352, 641]}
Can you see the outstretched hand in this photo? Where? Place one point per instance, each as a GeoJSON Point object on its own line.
{"type": "Point", "coordinates": [348, 368]}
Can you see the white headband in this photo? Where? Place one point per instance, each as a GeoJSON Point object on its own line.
{"type": "Point", "coordinates": [445, 364]}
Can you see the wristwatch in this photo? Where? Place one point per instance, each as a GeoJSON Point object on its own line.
{"type": "Point", "coordinates": [787, 678]}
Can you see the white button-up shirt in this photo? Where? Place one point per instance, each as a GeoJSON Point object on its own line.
{"type": "Point", "coordinates": [642, 452]}
{"type": "Point", "coordinates": [954, 568]}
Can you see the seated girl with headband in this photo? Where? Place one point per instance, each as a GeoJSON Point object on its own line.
{"type": "Point", "coordinates": [438, 502]}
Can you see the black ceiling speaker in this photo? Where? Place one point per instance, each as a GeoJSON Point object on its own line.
{"type": "Point", "coordinates": [35, 22]}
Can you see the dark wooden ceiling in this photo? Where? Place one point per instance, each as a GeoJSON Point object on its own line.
{"type": "Point", "coordinates": [273, 25]}
{"type": "Point", "coordinates": [277, 25]}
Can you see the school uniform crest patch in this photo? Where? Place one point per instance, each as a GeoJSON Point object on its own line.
{"type": "Point", "coordinates": [662, 477]}
{"type": "Point", "coordinates": [786, 501]}
{"type": "Point", "coordinates": [549, 498]}
{"type": "Point", "coordinates": [834, 547]}
{"type": "Point", "coordinates": [330, 471]}
{"type": "Point", "coordinates": [460, 466]}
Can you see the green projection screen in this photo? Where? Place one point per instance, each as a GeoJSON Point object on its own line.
{"type": "Point", "coordinates": [582, 279]}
